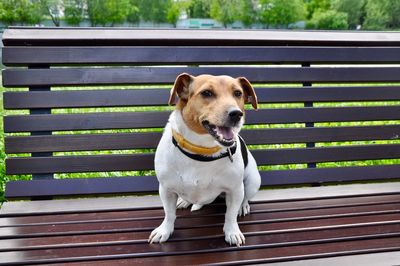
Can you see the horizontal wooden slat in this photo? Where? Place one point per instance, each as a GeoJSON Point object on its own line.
{"type": "Point", "coordinates": [124, 141]}
{"type": "Point", "coordinates": [99, 163]}
{"type": "Point", "coordinates": [196, 55]}
{"type": "Point", "coordinates": [82, 186]}
{"type": "Point", "coordinates": [93, 36]}
{"type": "Point", "coordinates": [327, 154]}
{"type": "Point", "coordinates": [337, 174]}
{"type": "Point", "coordinates": [115, 98]}
{"type": "Point", "coordinates": [85, 98]}
{"type": "Point", "coordinates": [167, 75]}
{"type": "Point", "coordinates": [117, 120]}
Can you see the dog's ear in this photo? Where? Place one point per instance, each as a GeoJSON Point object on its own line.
{"type": "Point", "coordinates": [250, 94]}
{"type": "Point", "coordinates": [180, 88]}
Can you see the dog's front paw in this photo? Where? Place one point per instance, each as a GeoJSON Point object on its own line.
{"type": "Point", "coordinates": [233, 235]}
{"type": "Point", "coordinates": [161, 234]}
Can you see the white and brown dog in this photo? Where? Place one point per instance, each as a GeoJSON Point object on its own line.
{"type": "Point", "coordinates": [201, 156]}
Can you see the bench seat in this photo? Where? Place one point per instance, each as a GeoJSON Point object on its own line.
{"type": "Point", "coordinates": [285, 225]}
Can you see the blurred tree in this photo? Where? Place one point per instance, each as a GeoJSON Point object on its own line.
{"type": "Point", "coordinates": [247, 12]}
{"type": "Point", "coordinates": [154, 10]}
{"type": "Point", "coordinates": [20, 11]}
{"type": "Point", "coordinates": [74, 11]}
{"type": "Point", "coordinates": [376, 17]}
{"type": "Point", "coordinates": [328, 20]}
{"type": "Point", "coordinates": [281, 13]}
{"type": "Point", "coordinates": [103, 12]}
{"type": "Point", "coordinates": [52, 8]}
{"type": "Point", "coordinates": [224, 11]}
{"type": "Point", "coordinates": [313, 6]}
{"type": "Point", "coordinates": [173, 12]}
{"type": "Point", "coordinates": [134, 12]}
{"type": "Point", "coordinates": [354, 9]}
{"type": "Point", "coordinates": [199, 8]}
{"type": "Point", "coordinates": [393, 11]}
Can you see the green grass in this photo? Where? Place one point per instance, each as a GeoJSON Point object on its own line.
{"type": "Point", "coordinates": [4, 178]}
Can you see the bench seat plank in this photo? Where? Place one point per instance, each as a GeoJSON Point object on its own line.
{"type": "Point", "coordinates": [166, 75]}
{"type": "Point", "coordinates": [276, 231]}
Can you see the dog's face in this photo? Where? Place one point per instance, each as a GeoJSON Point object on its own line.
{"type": "Point", "coordinates": [213, 104]}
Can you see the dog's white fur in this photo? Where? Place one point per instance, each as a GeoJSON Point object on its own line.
{"type": "Point", "coordinates": [184, 181]}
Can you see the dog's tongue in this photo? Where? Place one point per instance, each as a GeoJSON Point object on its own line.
{"type": "Point", "coordinates": [226, 132]}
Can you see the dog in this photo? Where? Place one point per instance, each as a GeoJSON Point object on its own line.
{"type": "Point", "coordinates": [201, 156]}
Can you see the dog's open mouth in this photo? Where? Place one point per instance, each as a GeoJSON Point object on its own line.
{"type": "Point", "coordinates": [223, 135]}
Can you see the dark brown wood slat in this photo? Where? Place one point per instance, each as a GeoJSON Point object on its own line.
{"type": "Point", "coordinates": [85, 98]}
{"type": "Point", "coordinates": [325, 175]}
{"type": "Point", "coordinates": [85, 121]}
{"type": "Point", "coordinates": [256, 222]}
{"type": "Point", "coordinates": [132, 97]}
{"type": "Point", "coordinates": [100, 163]}
{"type": "Point", "coordinates": [81, 186]}
{"type": "Point", "coordinates": [265, 255]}
{"type": "Point", "coordinates": [199, 55]}
{"type": "Point", "coordinates": [123, 141]}
{"type": "Point", "coordinates": [82, 142]}
{"type": "Point", "coordinates": [203, 246]}
{"type": "Point", "coordinates": [120, 120]}
{"type": "Point", "coordinates": [111, 214]}
{"type": "Point", "coordinates": [131, 238]}
{"type": "Point", "coordinates": [93, 240]}
{"type": "Point", "coordinates": [94, 163]}
{"type": "Point", "coordinates": [327, 154]}
{"type": "Point", "coordinates": [71, 187]}
{"type": "Point", "coordinates": [167, 75]}
{"type": "Point", "coordinates": [100, 36]}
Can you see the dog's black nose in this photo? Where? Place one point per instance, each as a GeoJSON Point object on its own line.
{"type": "Point", "coordinates": [235, 115]}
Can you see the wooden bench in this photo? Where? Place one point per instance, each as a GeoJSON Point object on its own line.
{"type": "Point", "coordinates": [312, 87]}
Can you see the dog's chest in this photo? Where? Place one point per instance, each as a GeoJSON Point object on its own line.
{"type": "Point", "coordinates": [199, 182]}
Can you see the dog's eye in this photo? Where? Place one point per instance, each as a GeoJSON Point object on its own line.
{"type": "Point", "coordinates": [207, 93]}
{"type": "Point", "coordinates": [237, 93]}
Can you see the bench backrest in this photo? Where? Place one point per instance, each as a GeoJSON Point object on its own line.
{"type": "Point", "coordinates": [329, 102]}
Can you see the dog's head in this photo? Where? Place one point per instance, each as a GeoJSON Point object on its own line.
{"type": "Point", "coordinates": [213, 104]}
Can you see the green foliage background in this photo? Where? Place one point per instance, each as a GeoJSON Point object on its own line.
{"type": "Point", "coordinates": [317, 14]}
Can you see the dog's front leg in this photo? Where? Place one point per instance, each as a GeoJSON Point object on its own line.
{"type": "Point", "coordinates": [164, 231]}
{"type": "Point", "coordinates": [233, 235]}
